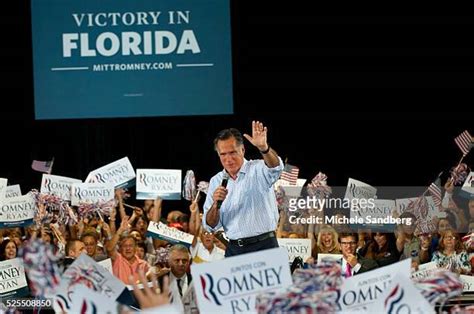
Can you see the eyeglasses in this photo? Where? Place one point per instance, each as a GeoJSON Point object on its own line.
{"type": "Point", "coordinates": [349, 243]}
{"type": "Point", "coordinates": [450, 238]}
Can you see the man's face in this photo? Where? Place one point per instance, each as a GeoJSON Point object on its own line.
{"type": "Point", "coordinates": [128, 249]}
{"type": "Point", "coordinates": [231, 155]}
{"type": "Point", "coordinates": [179, 262]}
{"type": "Point", "coordinates": [348, 246]}
{"type": "Point", "coordinates": [207, 239]}
{"type": "Point", "coordinates": [79, 248]}
{"type": "Point", "coordinates": [91, 245]}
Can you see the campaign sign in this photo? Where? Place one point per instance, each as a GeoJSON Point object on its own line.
{"type": "Point", "coordinates": [57, 185]}
{"type": "Point", "coordinates": [12, 279]}
{"type": "Point", "coordinates": [12, 191]}
{"type": "Point", "coordinates": [232, 284]}
{"type": "Point", "coordinates": [164, 183]}
{"type": "Point", "coordinates": [119, 173]}
{"type": "Point", "coordinates": [161, 231]}
{"type": "Point", "coordinates": [296, 247]}
{"type": "Point", "coordinates": [17, 211]}
{"type": "Point", "coordinates": [359, 291]}
{"type": "Point", "coordinates": [89, 193]}
{"type": "Point", "coordinates": [103, 59]}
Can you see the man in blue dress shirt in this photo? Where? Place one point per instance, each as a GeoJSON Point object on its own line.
{"type": "Point", "coordinates": [241, 197]}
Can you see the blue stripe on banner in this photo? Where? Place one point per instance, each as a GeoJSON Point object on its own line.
{"type": "Point", "coordinates": [164, 196]}
{"type": "Point", "coordinates": [15, 293]}
{"type": "Point", "coordinates": [12, 224]}
{"type": "Point", "coordinates": [164, 238]}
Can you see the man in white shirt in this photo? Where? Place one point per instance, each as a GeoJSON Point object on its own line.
{"type": "Point", "coordinates": [180, 280]}
{"type": "Point", "coordinates": [204, 250]}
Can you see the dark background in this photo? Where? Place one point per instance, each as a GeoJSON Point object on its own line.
{"type": "Point", "coordinates": [312, 79]}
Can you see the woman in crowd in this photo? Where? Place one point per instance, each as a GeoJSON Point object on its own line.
{"type": "Point", "coordinates": [451, 254]}
{"type": "Point", "coordinates": [8, 250]}
{"type": "Point", "coordinates": [383, 249]}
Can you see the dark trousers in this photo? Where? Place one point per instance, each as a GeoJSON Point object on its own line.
{"type": "Point", "coordinates": [234, 249]}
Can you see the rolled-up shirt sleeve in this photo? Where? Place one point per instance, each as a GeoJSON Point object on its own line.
{"type": "Point", "coordinates": [209, 201]}
{"type": "Point", "coordinates": [271, 175]}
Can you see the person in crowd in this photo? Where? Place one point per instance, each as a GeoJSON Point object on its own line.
{"type": "Point", "coordinates": [246, 207]}
{"type": "Point", "coordinates": [383, 249]}
{"type": "Point", "coordinates": [451, 255]}
{"type": "Point", "coordinates": [125, 262]}
{"type": "Point", "coordinates": [180, 280]}
{"type": "Point", "coordinates": [352, 263]}
{"type": "Point", "coordinates": [90, 241]}
{"type": "Point", "coordinates": [74, 248]}
{"type": "Point", "coordinates": [408, 244]}
{"type": "Point", "coordinates": [203, 248]}
{"type": "Point", "coordinates": [8, 250]}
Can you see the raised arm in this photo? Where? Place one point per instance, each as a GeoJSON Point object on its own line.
{"type": "Point", "coordinates": [259, 140]}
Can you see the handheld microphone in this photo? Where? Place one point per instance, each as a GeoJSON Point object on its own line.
{"type": "Point", "coordinates": [225, 179]}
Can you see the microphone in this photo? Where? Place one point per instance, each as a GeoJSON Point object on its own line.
{"type": "Point", "coordinates": [225, 179]}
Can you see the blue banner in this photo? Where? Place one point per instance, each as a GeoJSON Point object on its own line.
{"type": "Point", "coordinates": [120, 58]}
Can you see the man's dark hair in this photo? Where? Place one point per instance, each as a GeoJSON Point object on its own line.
{"type": "Point", "coordinates": [229, 133]}
{"type": "Point", "coordinates": [349, 234]}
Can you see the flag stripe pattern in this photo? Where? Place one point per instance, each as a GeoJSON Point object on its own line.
{"type": "Point", "coordinates": [436, 193]}
{"type": "Point", "coordinates": [290, 174]}
{"type": "Point", "coordinates": [42, 166]}
{"type": "Point", "coordinates": [464, 141]}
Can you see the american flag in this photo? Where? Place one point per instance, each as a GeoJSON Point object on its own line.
{"type": "Point", "coordinates": [43, 166]}
{"type": "Point", "coordinates": [290, 174]}
{"type": "Point", "coordinates": [464, 141]}
{"type": "Point", "coordinates": [435, 191]}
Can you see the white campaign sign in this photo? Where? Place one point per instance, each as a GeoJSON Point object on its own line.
{"type": "Point", "coordinates": [85, 300]}
{"type": "Point", "coordinates": [335, 257]}
{"type": "Point", "coordinates": [12, 191]}
{"type": "Point", "coordinates": [165, 183]}
{"type": "Point", "coordinates": [401, 296]}
{"type": "Point", "coordinates": [232, 284]}
{"type": "Point", "coordinates": [17, 211]}
{"type": "Point", "coordinates": [403, 203]}
{"type": "Point", "coordinates": [468, 186]}
{"type": "Point", "coordinates": [91, 193]}
{"type": "Point", "coordinates": [172, 235]}
{"type": "Point", "coordinates": [359, 291]}
{"type": "Point", "coordinates": [107, 264]}
{"type": "Point", "coordinates": [57, 185]}
{"type": "Point", "coordinates": [296, 247]}
{"type": "Point", "coordinates": [3, 186]}
{"type": "Point", "coordinates": [88, 272]}
{"type": "Point", "coordinates": [467, 282]}
{"type": "Point", "coordinates": [119, 173]}
{"type": "Point", "coordinates": [359, 190]}
{"type": "Point", "coordinates": [12, 279]}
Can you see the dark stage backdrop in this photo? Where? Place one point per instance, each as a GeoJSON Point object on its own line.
{"type": "Point", "coordinates": [371, 83]}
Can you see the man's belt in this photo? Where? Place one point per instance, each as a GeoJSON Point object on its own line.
{"type": "Point", "coordinates": [255, 239]}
